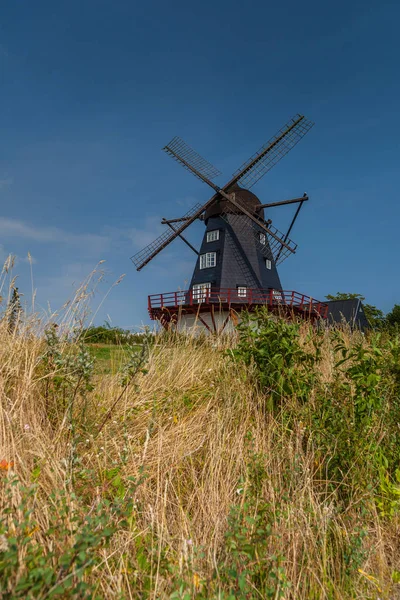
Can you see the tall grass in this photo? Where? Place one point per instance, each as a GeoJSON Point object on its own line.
{"type": "Point", "coordinates": [231, 468]}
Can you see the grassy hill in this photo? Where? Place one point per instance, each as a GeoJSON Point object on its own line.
{"type": "Point", "coordinates": [260, 466]}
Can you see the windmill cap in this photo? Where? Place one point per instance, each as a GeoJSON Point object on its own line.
{"type": "Point", "coordinates": [247, 198]}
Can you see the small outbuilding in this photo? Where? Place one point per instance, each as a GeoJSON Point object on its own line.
{"type": "Point", "coordinates": [350, 312]}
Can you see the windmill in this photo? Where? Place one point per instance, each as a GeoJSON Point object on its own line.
{"type": "Point", "coordinates": [236, 266]}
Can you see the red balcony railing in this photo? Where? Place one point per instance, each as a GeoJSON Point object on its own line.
{"type": "Point", "coordinates": [227, 297]}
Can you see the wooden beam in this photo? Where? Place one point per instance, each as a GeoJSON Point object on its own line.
{"type": "Point", "coordinates": [213, 318]}
{"type": "Point", "coordinates": [183, 239]}
{"type": "Point", "coordinates": [225, 322]}
{"type": "Point", "coordinates": [202, 320]}
{"type": "Point", "coordinates": [290, 228]}
{"type": "Point", "coordinates": [282, 202]}
{"type": "Point", "coordinates": [165, 221]}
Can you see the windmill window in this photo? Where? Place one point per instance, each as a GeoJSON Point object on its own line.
{"type": "Point", "coordinates": [268, 263]}
{"type": "Point", "coordinates": [242, 291]}
{"type": "Point", "coordinates": [213, 236]}
{"type": "Point", "coordinates": [262, 239]}
{"type": "Point", "coordinates": [207, 260]}
{"type": "Point", "coordinates": [201, 291]}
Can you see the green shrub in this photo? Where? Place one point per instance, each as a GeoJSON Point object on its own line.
{"type": "Point", "coordinates": [29, 567]}
{"type": "Point", "coordinates": [283, 367]}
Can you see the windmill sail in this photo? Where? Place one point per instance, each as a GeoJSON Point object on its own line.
{"type": "Point", "coordinates": [274, 248]}
{"type": "Point", "coordinates": [141, 258]}
{"type": "Point", "coordinates": [277, 237]}
{"type": "Point", "coordinates": [191, 160]}
{"type": "Point", "coordinates": [275, 149]}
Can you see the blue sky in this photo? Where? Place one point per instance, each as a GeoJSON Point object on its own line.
{"type": "Point", "coordinates": [92, 90]}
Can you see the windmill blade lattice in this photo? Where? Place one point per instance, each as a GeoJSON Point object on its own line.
{"type": "Point", "coordinates": [247, 175]}
{"type": "Point", "coordinates": [275, 149]}
{"type": "Point", "coordinates": [273, 249]}
{"type": "Point", "coordinates": [141, 258]}
{"type": "Point", "coordinates": [191, 160]}
{"type": "Point", "coordinates": [279, 252]}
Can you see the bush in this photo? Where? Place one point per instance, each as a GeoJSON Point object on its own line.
{"type": "Point", "coordinates": [110, 335]}
{"type": "Point", "coordinates": [282, 365]}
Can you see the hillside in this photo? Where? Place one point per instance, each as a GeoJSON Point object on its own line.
{"type": "Point", "coordinates": [265, 466]}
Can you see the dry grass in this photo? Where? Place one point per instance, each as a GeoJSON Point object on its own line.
{"type": "Point", "coordinates": [186, 425]}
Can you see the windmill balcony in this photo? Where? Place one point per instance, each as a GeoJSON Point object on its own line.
{"type": "Point", "coordinates": [168, 306]}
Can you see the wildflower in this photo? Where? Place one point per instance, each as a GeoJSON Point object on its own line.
{"type": "Point", "coordinates": [3, 543]}
{"type": "Point", "coordinates": [5, 465]}
{"type": "Point", "coordinates": [26, 427]}
{"type": "Point", "coordinates": [189, 542]}
{"type": "Point", "coordinates": [196, 581]}
{"type": "Point", "coordinates": [371, 578]}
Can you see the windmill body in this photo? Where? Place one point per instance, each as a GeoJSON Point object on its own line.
{"type": "Point", "coordinates": [230, 259]}
{"type": "Point", "coordinates": [236, 265]}
{"type": "Point", "coordinates": [239, 260]}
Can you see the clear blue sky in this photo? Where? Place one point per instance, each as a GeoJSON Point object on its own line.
{"type": "Point", "coordinates": [91, 91]}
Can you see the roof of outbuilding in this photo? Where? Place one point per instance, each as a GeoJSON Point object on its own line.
{"type": "Point", "coordinates": [348, 311]}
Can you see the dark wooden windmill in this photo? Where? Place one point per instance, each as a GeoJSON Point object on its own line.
{"type": "Point", "coordinates": [236, 267]}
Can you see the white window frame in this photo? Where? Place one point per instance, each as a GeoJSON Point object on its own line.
{"type": "Point", "coordinates": [213, 236]}
{"type": "Point", "coordinates": [262, 238]}
{"type": "Point", "coordinates": [268, 264]}
{"type": "Point", "coordinates": [199, 291]}
{"type": "Point", "coordinates": [242, 291]}
{"type": "Point", "coordinates": [208, 260]}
